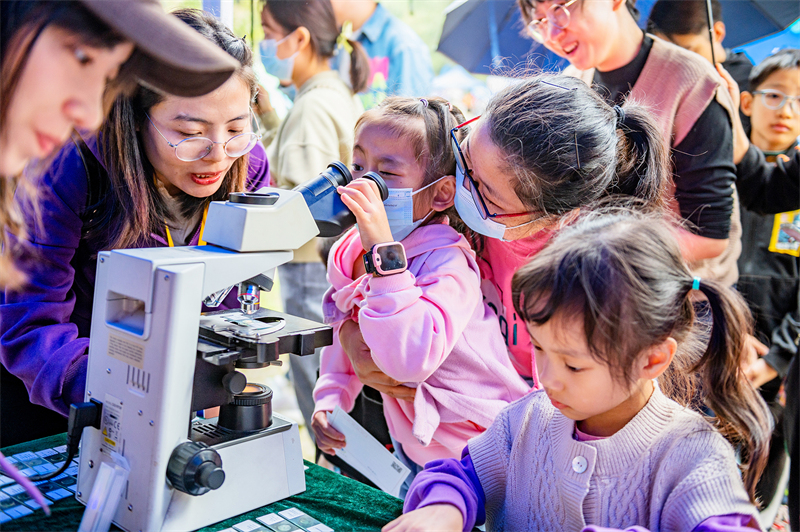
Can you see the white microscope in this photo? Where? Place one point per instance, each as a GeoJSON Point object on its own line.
{"type": "Point", "coordinates": [154, 360]}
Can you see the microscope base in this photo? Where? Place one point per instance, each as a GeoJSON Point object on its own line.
{"type": "Point", "coordinates": [259, 470]}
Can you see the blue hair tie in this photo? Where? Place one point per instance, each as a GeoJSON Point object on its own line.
{"type": "Point", "coordinates": [696, 283]}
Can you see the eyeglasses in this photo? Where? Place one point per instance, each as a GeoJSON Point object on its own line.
{"type": "Point", "coordinates": [775, 99]}
{"type": "Point", "coordinates": [557, 14]}
{"type": "Point", "coordinates": [469, 182]}
{"type": "Point", "coordinates": [195, 148]}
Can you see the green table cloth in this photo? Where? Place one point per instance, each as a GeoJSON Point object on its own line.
{"type": "Point", "coordinates": [339, 502]}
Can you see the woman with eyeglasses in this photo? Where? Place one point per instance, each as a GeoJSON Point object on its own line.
{"type": "Point", "coordinates": [606, 48]}
{"type": "Point", "coordinates": [145, 180]}
{"type": "Point", "coordinates": [544, 148]}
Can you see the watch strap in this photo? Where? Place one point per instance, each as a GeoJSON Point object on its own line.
{"type": "Point", "coordinates": [369, 265]}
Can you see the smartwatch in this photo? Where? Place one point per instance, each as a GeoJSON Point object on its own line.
{"type": "Point", "coordinates": [386, 259]}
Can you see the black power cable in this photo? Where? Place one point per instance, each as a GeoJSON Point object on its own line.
{"type": "Point", "coordinates": [81, 415]}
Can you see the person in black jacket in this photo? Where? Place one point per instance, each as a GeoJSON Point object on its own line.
{"type": "Point", "coordinates": [771, 188]}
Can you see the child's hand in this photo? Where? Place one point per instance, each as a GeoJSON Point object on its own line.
{"type": "Point", "coordinates": [363, 198]}
{"type": "Point", "coordinates": [328, 439]}
{"type": "Point", "coordinates": [439, 517]}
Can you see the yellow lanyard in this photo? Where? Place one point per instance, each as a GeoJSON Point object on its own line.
{"type": "Point", "coordinates": [200, 241]}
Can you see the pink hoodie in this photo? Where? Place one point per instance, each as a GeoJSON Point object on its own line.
{"type": "Point", "coordinates": [498, 263]}
{"type": "Point", "coordinates": [426, 327]}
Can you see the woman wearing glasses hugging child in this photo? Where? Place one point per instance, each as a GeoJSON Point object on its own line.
{"type": "Point", "coordinates": [145, 180]}
{"type": "Point", "coordinates": [511, 194]}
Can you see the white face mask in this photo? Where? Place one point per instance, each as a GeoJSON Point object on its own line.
{"type": "Point", "coordinates": [400, 210]}
{"type": "Point", "coordinates": [469, 213]}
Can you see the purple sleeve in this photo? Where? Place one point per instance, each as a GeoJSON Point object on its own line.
{"type": "Point", "coordinates": [258, 169]}
{"type": "Point", "coordinates": [38, 342]}
{"type": "Point", "coordinates": [450, 481]}
{"type": "Point", "coordinates": [717, 523]}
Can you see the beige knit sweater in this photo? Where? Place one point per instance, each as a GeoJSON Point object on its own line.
{"type": "Point", "coordinates": [678, 85]}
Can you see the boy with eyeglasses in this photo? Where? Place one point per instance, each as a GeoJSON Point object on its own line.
{"type": "Point", "coordinates": [769, 267]}
{"type": "Point", "coordinates": [773, 103]}
{"type": "Point", "coordinates": [768, 179]}
{"type": "Point", "coordinates": [770, 273]}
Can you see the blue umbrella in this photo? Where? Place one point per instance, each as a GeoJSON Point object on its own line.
{"type": "Point", "coordinates": [760, 49]}
{"type": "Point", "coordinates": [485, 37]}
{"type": "Point", "coordinates": [745, 20]}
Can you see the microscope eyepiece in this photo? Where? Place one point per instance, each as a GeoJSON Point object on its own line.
{"type": "Point", "coordinates": [330, 214]}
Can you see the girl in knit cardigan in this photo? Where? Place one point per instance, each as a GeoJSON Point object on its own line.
{"type": "Point", "coordinates": [609, 441]}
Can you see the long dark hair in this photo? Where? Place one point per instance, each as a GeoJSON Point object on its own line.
{"type": "Point", "coordinates": [568, 148]}
{"type": "Point", "coordinates": [623, 274]}
{"type": "Point", "coordinates": [133, 209]}
{"type": "Point", "coordinates": [21, 24]}
{"type": "Point", "coordinates": [317, 17]}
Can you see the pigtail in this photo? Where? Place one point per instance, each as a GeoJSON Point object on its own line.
{"type": "Point", "coordinates": [642, 157]}
{"type": "Point", "coordinates": [359, 67]}
{"type": "Point", "coordinates": [741, 414]}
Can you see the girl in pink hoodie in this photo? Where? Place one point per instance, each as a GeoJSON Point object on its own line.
{"type": "Point", "coordinates": [426, 326]}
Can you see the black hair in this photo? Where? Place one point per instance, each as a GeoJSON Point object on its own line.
{"type": "Point", "coordinates": [783, 60]}
{"type": "Point", "coordinates": [569, 148]}
{"type": "Point", "coordinates": [682, 17]}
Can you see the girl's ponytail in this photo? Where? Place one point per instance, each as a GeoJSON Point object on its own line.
{"type": "Point", "coordinates": [741, 414]}
{"type": "Point", "coordinates": [641, 157]}
{"type": "Point", "coordinates": [359, 67]}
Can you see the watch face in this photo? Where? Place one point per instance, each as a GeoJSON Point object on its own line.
{"type": "Point", "coordinates": [390, 258]}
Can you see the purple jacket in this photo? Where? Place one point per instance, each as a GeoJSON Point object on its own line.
{"type": "Point", "coordinates": [44, 327]}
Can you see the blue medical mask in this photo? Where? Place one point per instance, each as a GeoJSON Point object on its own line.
{"type": "Point", "coordinates": [400, 210]}
{"type": "Point", "coordinates": [280, 68]}
{"type": "Point", "coordinates": [469, 213]}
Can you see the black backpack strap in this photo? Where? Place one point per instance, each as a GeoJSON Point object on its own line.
{"type": "Point", "coordinates": [97, 187]}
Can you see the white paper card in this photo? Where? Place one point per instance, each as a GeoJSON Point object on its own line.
{"type": "Point", "coordinates": [270, 519]}
{"type": "Point", "coordinates": [247, 526]}
{"type": "Point", "coordinates": [291, 513]}
{"type": "Point", "coordinates": [367, 455]}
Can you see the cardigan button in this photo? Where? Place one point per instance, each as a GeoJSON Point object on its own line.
{"type": "Point", "coordinates": [579, 464]}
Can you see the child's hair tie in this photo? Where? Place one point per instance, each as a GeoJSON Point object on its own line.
{"type": "Point", "coordinates": [450, 107]}
{"type": "Point", "coordinates": [424, 102]}
{"type": "Point", "coordinates": [342, 39]}
{"type": "Point", "coordinates": [696, 283]}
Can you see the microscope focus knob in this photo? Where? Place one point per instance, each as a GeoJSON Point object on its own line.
{"type": "Point", "coordinates": [210, 475]}
{"type": "Point", "coordinates": [195, 468]}
{"type": "Point", "coordinates": [234, 382]}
